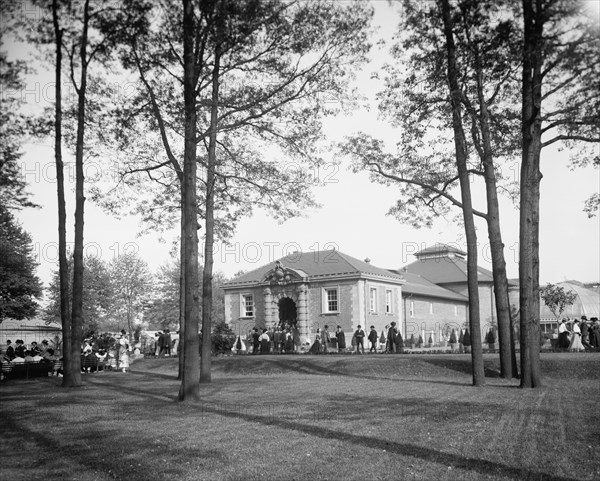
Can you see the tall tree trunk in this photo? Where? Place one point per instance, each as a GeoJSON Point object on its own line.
{"type": "Point", "coordinates": [465, 188]}
{"type": "Point", "coordinates": [494, 231]}
{"type": "Point", "coordinates": [207, 275]}
{"type": "Point", "coordinates": [63, 265]}
{"type": "Point", "coordinates": [529, 202]}
{"type": "Point", "coordinates": [181, 345]}
{"type": "Point", "coordinates": [77, 309]}
{"type": "Point", "coordinates": [190, 382]}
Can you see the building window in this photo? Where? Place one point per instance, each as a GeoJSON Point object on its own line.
{"type": "Point", "coordinates": [412, 308]}
{"type": "Point", "coordinates": [331, 300]}
{"type": "Point", "coordinates": [373, 299]}
{"type": "Point", "coordinates": [431, 308]}
{"type": "Point", "coordinates": [388, 301]}
{"type": "Point", "coordinates": [247, 305]}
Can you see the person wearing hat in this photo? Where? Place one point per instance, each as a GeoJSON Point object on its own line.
{"type": "Point", "coordinates": [392, 335]}
{"type": "Point", "coordinates": [563, 335]}
{"type": "Point", "coordinates": [373, 339]}
{"type": "Point", "coordinates": [341, 339]}
{"type": "Point", "coordinates": [585, 333]}
{"type": "Point", "coordinates": [10, 351]}
{"type": "Point", "coordinates": [359, 336]}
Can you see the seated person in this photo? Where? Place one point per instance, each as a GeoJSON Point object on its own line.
{"type": "Point", "coordinates": [20, 348]}
{"type": "Point", "coordinates": [49, 355]}
{"type": "Point", "coordinates": [29, 356]}
{"type": "Point", "coordinates": [34, 349]}
{"type": "Point", "coordinates": [101, 356]}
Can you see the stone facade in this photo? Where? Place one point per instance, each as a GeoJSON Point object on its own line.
{"type": "Point", "coordinates": [347, 292]}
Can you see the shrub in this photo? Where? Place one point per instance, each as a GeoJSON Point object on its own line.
{"type": "Point", "coordinates": [466, 338]}
{"type": "Point", "coordinates": [461, 337]}
{"type": "Point", "coordinates": [430, 341]}
{"type": "Point", "coordinates": [412, 340]}
{"type": "Point", "coordinates": [453, 337]}
{"type": "Point", "coordinates": [420, 340]}
{"type": "Point", "coordinates": [490, 338]}
{"type": "Point", "coordinates": [223, 338]}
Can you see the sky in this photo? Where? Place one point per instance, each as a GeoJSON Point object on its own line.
{"type": "Point", "coordinates": [352, 218]}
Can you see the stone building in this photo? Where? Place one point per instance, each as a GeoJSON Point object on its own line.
{"type": "Point", "coordinates": [314, 289]}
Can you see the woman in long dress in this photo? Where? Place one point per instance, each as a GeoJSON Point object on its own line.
{"type": "Point", "coordinates": [123, 352]}
{"type": "Point", "coordinates": [316, 347]}
{"type": "Point", "coordinates": [576, 344]}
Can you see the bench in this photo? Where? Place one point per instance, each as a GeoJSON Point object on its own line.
{"type": "Point", "coordinates": [26, 370]}
{"type": "Point", "coordinates": [91, 363]}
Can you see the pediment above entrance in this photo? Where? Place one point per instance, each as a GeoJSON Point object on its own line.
{"type": "Point", "coordinates": [281, 275]}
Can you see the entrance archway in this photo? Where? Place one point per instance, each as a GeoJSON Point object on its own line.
{"type": "Point", "coordinates": [287, 312]}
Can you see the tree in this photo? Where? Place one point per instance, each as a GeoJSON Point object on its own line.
{"type": "Point", "coordinates": [276, 65]}
{"type": "Point", "coordinates": [560, 98]}
{"type": "Point", "coordinates": [131, 280]}
{"type": "Point", "coordinates": [19, 285]}
{"type": "Point", "coordinates": [557, 298]}
{"type": "Point", "coordinates": [13, 193]}
{"type": "Point", "coordinates": [417, 101]}
{"type": "Point", "coordinates": [453, 338]}
{"type": "Point", "coordinates": [97, 299]}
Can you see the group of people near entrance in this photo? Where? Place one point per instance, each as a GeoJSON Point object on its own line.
{"type": "Point", "coordinates": [584, 335]}
{"type": "Point", "coordinates": [274, 341]}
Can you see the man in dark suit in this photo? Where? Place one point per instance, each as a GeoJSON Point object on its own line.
{"type": "Point", "coordinates": [373, 339]}
{"type": "Point", "coordinates": [255, 341]}
{"type": "Point", "coordinates": [359, 336]}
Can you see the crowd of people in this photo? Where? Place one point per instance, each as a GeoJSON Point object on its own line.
{"type": "Point", "coordinates": [279, 340]}
{"type": "Point", "coordinates": [578, 335]}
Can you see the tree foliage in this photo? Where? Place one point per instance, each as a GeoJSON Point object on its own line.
{"type": "Point", "coordinates": [556, 298]}
{"type": "Point", "coordinates": [19, 284]}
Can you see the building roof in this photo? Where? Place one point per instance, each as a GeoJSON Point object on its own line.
{"type": "Point", "coordinates": [439, 249]}
{"type": "Point", "coordinates": [418, 285]}
{"type": "Point", "coordinates": [446, 270]}
{"type": "Point", "coordinates": [317, 266]}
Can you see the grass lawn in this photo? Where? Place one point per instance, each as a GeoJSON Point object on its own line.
{"type": "Point", "coordinates": [308, 418]}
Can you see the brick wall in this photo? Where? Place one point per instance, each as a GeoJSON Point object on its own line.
{"type": "Point", "coordinates": [432, 315]}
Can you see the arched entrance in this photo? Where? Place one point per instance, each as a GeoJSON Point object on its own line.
{"type": "Point", "coordinates": [288, 315]}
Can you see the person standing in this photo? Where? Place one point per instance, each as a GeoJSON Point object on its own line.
{"type": "Point", "coordinates": [316, 347]}
{"type": "Point", "coordinates": [277, 340]}
{"type": "Point", "coordinates": [325, 338]}
{"type": "Point", "coordinates": [341, 339]}
{"type": "Point", "coordinates": [265, 342]}
{"type": "Point", "coordinates": [576, 344]}
{"type": "Point", "coordinates": [359, 335]}
{"type": "Point", "coordinates": [373, 339]}
{"type": "Point", "coordinates": [563, 335]}
{"type": "Point", "coordinates": [160, 342]}
{"type": "Point", "coordinates": [255, 341]}
{"type": "Point", "coordinates": [167, 342]}
{"type": "Point", "coordinates": [124, 351]}
{"type": "Point", "coordinates": [392, 334]}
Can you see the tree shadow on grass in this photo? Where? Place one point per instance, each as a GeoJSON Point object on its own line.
{"type": "Point", "coordinates": [463, 366]}
{"type": "Point", "coordinates": [485, 467]}
{"type": "Point", "coordinates": [314, 367]}
{"type": "Point", "coordinates": [87, 455]}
